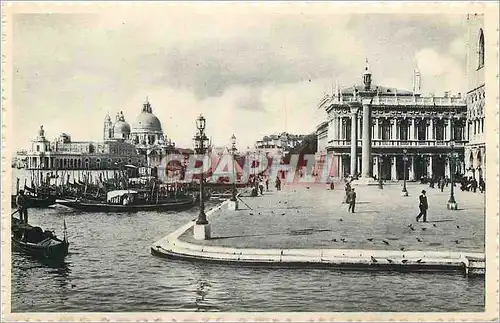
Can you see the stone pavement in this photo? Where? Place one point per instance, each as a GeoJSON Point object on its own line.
{"type": "Point", "coordinates": [312, 216]}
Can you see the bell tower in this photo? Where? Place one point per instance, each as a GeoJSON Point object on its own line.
{"type": "Point", "coordinates": [108, 128]}
{"type": "Point", "coordinates": [416, 82]}
{"type": "Point", "coordinates": [367, 77]}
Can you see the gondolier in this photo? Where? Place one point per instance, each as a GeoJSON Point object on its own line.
{"type": "Point", "coordinates": [22, 206]}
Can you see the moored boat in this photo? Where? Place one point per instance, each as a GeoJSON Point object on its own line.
{"type": "Point", "coordinates": [129, 201]}
{"type": "Point", "coordinates": [39, 244]}
{"type": "Point", "coordinates": [39, 201]}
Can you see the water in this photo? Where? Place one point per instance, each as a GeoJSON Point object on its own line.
{"type": "Point", "coordinates": [110, 268]}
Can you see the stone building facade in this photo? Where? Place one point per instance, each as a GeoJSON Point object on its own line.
{"type": "Point", "coordinates": [425, 127]}
{"type": "Point", "coordinates": [142, 144]}
{"type": "Point", "coordinates": [279, 144]}
{"type": "Point", "coordinates": [475, 150]}
{"type": "Point", "coordinates": [63, 153]}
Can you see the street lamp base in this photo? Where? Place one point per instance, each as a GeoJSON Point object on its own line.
{"type": "Point", "coordinates": [232, 205]}
{"type": "Point", "coordinates": [404, 193]}
{"type": "Point", "coordinates": [201, 231]}
{"type": "Point", "coordinates": [452, 206]}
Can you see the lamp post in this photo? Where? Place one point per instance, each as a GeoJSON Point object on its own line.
{"type": "Point", "coordinates": [380, 182]}
{"type": "Point", "coordinates": [233, 202]}
{"type": "Point", "coordinates": [452, 203]}
{"type": "Point", "coordinates": [405, 159]}
{"type": "Point", "coordinates": [202, 227]}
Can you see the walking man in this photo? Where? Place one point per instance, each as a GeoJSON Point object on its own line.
{"type": "Point", "coordinates": [22, 207]}
{"type": "Point", "coordinates": [423, 206]}
{"type": "Point", "coordinates": [267, 183]}
{"type": "Point", "coordinates": [351, 198]}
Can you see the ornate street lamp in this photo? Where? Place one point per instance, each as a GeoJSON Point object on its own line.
{"type": "Point", "coordinates": [452, 203]}
{"type": "Point", "coordinates": [405, 159]}
{"type": "Point", "coordinates": [233, 202]}
{"type": "Point", "coordinates": [200, 141]}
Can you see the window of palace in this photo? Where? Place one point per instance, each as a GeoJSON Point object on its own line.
{"type": "Point", "coordinates": [481, 49]}
{"type": "Point", "coordinates": [37, 147]}
{"type": "Point", "coordinates": [403, 130]}
{"type": "Point", "coordinates": [421, 130]}
{"type": "Point", "coordinates": [440, 130]}
{"type": "Point", "coordinates": [385, 130]}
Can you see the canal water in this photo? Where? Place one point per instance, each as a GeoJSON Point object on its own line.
{"type": "Point", "coordinates": [110, 269]}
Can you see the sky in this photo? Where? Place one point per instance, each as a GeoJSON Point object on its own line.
{"type": "Point", "coordinates": [249, 72]}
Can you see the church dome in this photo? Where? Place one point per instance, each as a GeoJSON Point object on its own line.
{"type": "Point", "coordinates": [121, 129]}
{"type": "Point", "coordinates": [147, 121]}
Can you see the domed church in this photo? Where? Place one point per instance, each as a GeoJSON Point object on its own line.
{"type": "Point", "coordinates": [146, 134]}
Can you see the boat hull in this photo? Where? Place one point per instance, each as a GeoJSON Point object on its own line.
{"type": "Point", "coordinates": [104, 207]}
{"type": "Point", "coordinates": [55, 252]}
{"type": "Point", "coordinates": [36, 202]}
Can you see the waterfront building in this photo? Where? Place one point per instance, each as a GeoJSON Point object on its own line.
{"type": "Point", "coordinates": [398, 121]}
{"type": "Point", "coordinates": [475, 150]}
{"type": "Point", "coordinates": [278, 144]}
{"type": "Point", "coordinates": [63, 153]}
{"type": "Point", "coordinates": [142, 144]}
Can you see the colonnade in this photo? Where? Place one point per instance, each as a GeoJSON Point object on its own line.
{"type": "Point", "coordinates": [385, 128]}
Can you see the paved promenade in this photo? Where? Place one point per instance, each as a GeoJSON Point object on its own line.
{"type": "Point", "coordinates": [312, 216]}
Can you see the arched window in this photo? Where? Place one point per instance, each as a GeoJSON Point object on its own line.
{"type": "Point", "coordinates": [481, 49]}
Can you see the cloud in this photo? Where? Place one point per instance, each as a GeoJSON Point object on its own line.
{"type": "Point", "coordinates": [251, 72]}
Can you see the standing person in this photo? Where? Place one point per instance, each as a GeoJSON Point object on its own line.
{"type": "Point", "coordinates": [351, 198]}
{"type": "Point", "coordinates": [278, 183]}
{"type": "Point", "coordinates": [423, 206]}
{"type": "Point", "coordinates": [267, 183]}
{"type": "Point", "coordinates": [22, 206]}
{"type": "Point", "coordinates": [332, 185]}
{"type": "Point", "coordinates": [347, 190]}
{"type": "Point", "coordinates": [261, 187]}
{"type": "Point", "coordinates": [442, 184]}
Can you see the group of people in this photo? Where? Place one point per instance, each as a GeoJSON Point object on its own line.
{"type": "Point", "coordinates": [471, 184]}
{"type": "Point", "coordinates": [466, 184]}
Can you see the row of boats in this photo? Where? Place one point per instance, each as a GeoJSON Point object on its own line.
{"type": "Point", "coordinates": [124, 191]}
{"type": "Point", "coordinates": [120, 193]}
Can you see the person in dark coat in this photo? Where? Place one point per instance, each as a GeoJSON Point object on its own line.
{"type": "Point", "coordinates": [267, 183]}
{"type": "Point", "coordinates": [22, 206]}
{"type": "Point", "coordinates": [423, 206]}
{"type": "Point", "coordinates": [351, 198]}
{"type": "Point", "coordinates": [278, 183]}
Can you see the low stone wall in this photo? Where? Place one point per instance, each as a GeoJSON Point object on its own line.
{"type": "Point", "coordinates": [173, 248]}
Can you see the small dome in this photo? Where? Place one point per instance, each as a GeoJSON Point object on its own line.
{"type": "Point", "coordinates": [121, 129]}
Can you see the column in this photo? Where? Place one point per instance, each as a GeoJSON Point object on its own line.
{"type": "Point", "coordinates": [393, 129]}
{"type": "Point", "coordinates": [335, 126]}
{"type": "Point", "coordinates": [375, 132]}
{"type": "Point", "coordinates": [376, 166]}
{"type": "Point", "coordinates": [411, 168]}
{"type": "Point", "coordinates": [359, 128]}
{"type": "Point", "coordinates": [354, 138]}
{"type": "Point", "coordinates": [360, 163]}
{"type": "Point", "coordinates": [340, 170]}
{"type": "Point", "coordinates": [431, 130]}
{"type": "Point", "coordinates": [411, 135]}
{"type": "Point", "coordinates": [447, 167]}
{"type": "Point", "coordinates": [367, 142]}
{"type": "Point", "coordinates": [429, 167]}
{"type": "Point", "coordinates": [448, 130]}
{"type": "Point", "coordinates": [394, 173]}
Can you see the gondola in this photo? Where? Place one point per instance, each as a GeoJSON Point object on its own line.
{"type": "Point", "coordinates": [39, 244]}
{"type": "Point", "coordinates": [40, 201]}
{"type": "Point", "coordinates": [115, 203]}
